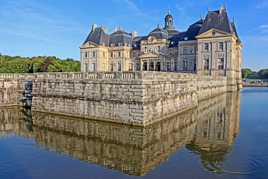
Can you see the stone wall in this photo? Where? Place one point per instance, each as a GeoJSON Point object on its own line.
{"type": "Point", "coordinates": [10, 92]}
{"type": "Point", "coordinates": [137, 98]}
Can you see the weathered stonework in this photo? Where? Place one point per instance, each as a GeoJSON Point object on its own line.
{"type": "Point", "coordinates": [137, 98]}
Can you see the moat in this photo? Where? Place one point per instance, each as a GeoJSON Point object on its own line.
{"type": "Point", "coordinates": [223, 137]}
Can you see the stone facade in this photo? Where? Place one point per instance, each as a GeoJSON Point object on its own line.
{"type": "Point", "coordinates": [212, 126]}
{"type": "Point", "coordinates": [210, 46]}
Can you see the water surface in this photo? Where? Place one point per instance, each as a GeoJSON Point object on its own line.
{"type": "Point", "coordinates": [224, 137]}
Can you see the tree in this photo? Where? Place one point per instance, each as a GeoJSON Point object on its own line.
{"type": "Point", "coordinates": [17, 64]}
{"type": "Point", "coordinates": [246, 72]}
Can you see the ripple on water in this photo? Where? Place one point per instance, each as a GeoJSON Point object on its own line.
{"type": "Point", "coordinates": [253, 165]}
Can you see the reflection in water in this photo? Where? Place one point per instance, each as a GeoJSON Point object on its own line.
{"type": "Point", "coordinates": [208, 130]}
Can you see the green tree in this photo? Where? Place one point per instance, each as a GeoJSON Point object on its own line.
{"type": "Point", "coordinates": [17, 64]}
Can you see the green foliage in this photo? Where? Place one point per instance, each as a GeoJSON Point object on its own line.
{"type": "Point", "coordinates": [17, 64]}
{"type": "Point", "coordinates": [248, 73]}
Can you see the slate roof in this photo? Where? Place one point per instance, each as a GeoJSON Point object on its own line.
{"type": "Point", "coordinates": [214, 19]}
{"type": "Point", "coordinates": [218, 20]}
{"type": "Point", "coordinates": [136, 42]}
{"type": "Point", "coordinates": [98, 36]}
{"type": "Point", "coordinates": [120, 37]}
{"type": "Point", "coordinates": [235, 31]}
{"type": "Point", "coordinates": [194, 30]}
{"type": "Point", "coordinates": [190, 34]}
{"type": "Point", "coordinates": [159, 33]}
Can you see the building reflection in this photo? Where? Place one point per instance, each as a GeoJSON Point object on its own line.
{"type": "Point", "coordinates": [209, 131]}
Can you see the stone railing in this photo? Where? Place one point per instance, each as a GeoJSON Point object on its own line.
{"type": "Point", "coordinates": [100, 75]}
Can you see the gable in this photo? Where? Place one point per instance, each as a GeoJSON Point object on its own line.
{"type": "Point", "coordinates": [213, 33]}
{"type": "Point", "coordinates": [89, 45]}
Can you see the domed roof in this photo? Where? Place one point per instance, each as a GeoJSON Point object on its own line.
{"type": "Point", "coordinates": [169, 16]}
{"type": "Point", "coordinates": [159, 33]}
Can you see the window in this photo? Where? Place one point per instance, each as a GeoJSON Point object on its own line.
{"type": "Point", "coordinates": [206, 47]}
{"type": "Point", "coordinates": [86, 55]}
{"type": "Point", "coordinates": [175, 66]}
{"type": "Point", "coordinates": [111, 67]}
{"type": "Point", "coordinates": [206, 64]}
{"type": "Point", "coordinates": [168, 66]}
{"type": "Point", "coordinates": [111, 54]}
{"type": "Point", "coordinates": [138, 67]}
{"type": "Point", "coordinates": [86, 68]}
{"type": "Point", "coordinates": [221, 46]}
{"type": "Point", "coordinates": [159, 48]}
{"type": "Point", "coordinates": [145, 49]}
{"type": "Point", "coordinates": [119, 54]}
{"type": "Point", "coordinates": [119, 66]}
{"type": "Point", "coordinates": [221, 64]}
{"type": "Point", "coordinates": [191, 50]}
{"type": "Point", "coordinates": [158, 66]}
{"type": "Point", "coordinates": [130, 67]}
{"type": "Point", "coordinates": [94, 54]}
{"type": "Point", "coordinates": [185, 65]}
{"type": "Point", "coordinates": [151, 67]}
{"type": "Point", "coordinates": [93, 67]}
{"type": "Point", "coordinates": [185, 50]}
{"type": "Point", "coordinates": [144, 68]}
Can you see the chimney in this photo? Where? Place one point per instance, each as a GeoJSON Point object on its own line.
{"type": "Point", "coordinates": [134, 34]}
{"type": "Point", "coordinates": [222, 9]}
{"type": "Point", "coordinates": [93, 27]}
{"type": "Point", "coordinates": [104, 29]}
{"type": "Point", "coordinates": [115, 29]}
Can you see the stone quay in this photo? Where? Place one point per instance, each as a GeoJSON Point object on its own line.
{"type": "Point", "coordinates": [135, 98]}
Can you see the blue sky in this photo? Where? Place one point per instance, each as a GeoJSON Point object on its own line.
{"type": "Point", "coordinates": [58, 27]}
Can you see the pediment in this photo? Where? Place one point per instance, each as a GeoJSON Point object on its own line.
{"type": "Point", "coordinates": [212, 33]}
{"type": "Point", "coordinates": [89, 45]}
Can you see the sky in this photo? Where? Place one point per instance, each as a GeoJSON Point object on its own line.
{"type": "Point", "coordinates": [58, 27]}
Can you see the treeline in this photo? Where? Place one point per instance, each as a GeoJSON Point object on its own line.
{"type": "Point", "coordinates": [17, 64]}
{"type": "Point", "coordinates": [261, 74]}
